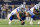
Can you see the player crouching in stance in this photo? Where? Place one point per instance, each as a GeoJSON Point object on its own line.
{"type": "Point", "coordinates": [16, 11]}
{"type": "Point", "coordinates": [33, 11]}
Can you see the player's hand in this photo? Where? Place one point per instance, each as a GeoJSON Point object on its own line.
{"type": "Point", "coordinates": [22, 22]}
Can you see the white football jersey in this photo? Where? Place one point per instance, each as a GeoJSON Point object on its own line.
{"type": "Point", "coordinates": [18, 9]}
{"type": "Point", "coordinates": [36, 7]}
{"type": "Point", "coordinates": [31, 10]}
{"type": "Point", "coordinates": [14, 11]}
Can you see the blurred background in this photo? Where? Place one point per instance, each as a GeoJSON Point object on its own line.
{"type": "Point", "coordinates": [6, 6]}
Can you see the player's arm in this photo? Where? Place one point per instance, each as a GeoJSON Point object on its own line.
{"type": "Point", "coordinates": [35, 12]}
{"type": "Point", "coordinates": [25, 13]}
{"type": "Point", "coordinates": [18, 15]}
{"type": "Point", "coordinates": [22, 22]}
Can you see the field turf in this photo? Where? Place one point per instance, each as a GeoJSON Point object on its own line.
{"type": "Point", "coordinates": [17, 23]}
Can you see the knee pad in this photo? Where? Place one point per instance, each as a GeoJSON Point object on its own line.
{"type": "Point", "coordinates": [32, 16]}
{"type": "Point", "coordinates": [11, 18]}
{"type": "Point", "coordinates": [23, 18]}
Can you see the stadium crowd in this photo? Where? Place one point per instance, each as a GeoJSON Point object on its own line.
{"type": "Point", "coordinates": [5, 8]}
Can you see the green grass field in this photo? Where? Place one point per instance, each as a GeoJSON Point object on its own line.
{"type": "Point", "coordinates": [16, 23]}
